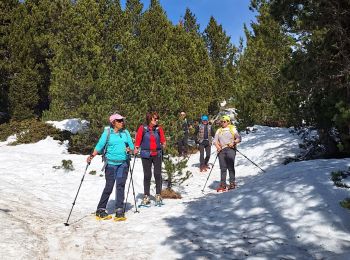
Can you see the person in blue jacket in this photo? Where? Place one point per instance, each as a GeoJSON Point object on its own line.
{"type": "Point", "coordinates": [115, 142]}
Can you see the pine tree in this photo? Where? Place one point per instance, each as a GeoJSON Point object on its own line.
{"type": "Point", "coordinates": [155, 28]}
{"type": "Point", "coordinates": [320, 64]}
{"type": "Point", "coordinates": [78, 63]}
{"type": "Point", "coordinates": [221, 53]}
{"type": "Point", "coordinates": [30, 30]}
{"type": "Point", "coordinates": [7, 9]}
{"type": "Point", "coordinates": [133, 14]}
{"type": "Point", "coordinates": [258, 80]}
{"type": "Point", "coordinates": [190, 22]}
{"type": "Point", "coordinates": [194, 72]}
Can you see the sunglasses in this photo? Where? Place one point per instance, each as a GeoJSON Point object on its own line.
{"type": "Point", "coordinates": [223, 121]}
{"type": "Point", "coordinates": [119, 120]}
{"type": "Point", "coordinates": [156, 118]}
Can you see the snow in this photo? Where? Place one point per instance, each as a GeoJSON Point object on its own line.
{"type": "Point", "coordinates": [73, 125]}
{"type": "Point", "coordinates": [290, 212]}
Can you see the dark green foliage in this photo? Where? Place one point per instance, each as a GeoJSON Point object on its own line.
{"type": "Point", "coordinates": [66, 165]}
{"type": "Point", "coordinates": [6, 18]}
{"type": "Point", "coordinates": [92, 172]}
{"type": "Point", "coordinates": [221, 53]}
{"type": "Point", "coordinates": [341, 120]}
{"type": "Point", "coordinates": [190, 22]}
{"type": "Point", "coordinates": [319, 71]}
{"type": "Point", "coordinates": [84, 143]}
{"type": "Point", "coordinates": [31, 131]}
{"type": "Point", "coordinates": [174, 170]}
{"type": "Point", "coordinates": [88, 59]}
{"type": "Point", "coordinates": [133, 14]}
{"type": "Point", "coordinates": [31, 27]}
{"type": "Point", "coordinates": [345, 203]}
{"type": "Point", "coordinates": [295, 67]}
{"type": "Point", "coordinates": [261, 95]}
{"type": "Point", "coordinates": [338, 176]}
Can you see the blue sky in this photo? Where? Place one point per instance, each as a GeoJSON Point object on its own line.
{"type": "Point", "coordinates": [231, 14]}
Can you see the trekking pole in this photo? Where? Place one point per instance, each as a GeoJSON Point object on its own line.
{"type": "Point", "coordinates": [250, 160]}
{"type": "Point", "coordinates": [82, 179]}
{"type": "Point", "coordinates": [132, 183]}
{"type": "Point", "coordinates": [133, 189]}
{"type": "Point", "coordinates": [210, 171]}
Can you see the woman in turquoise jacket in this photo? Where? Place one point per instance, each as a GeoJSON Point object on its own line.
{"type": "Point", "coordinates": [118, 143]}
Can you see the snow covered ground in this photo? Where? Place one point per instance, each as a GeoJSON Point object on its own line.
{"type": "Point", "coordinates": [290, 212]}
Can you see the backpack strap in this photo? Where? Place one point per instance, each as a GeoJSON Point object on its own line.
{"type": "Point", "coordinates": [104, 159]}
{"type": "Point", "coordinates": [146, 130]}
{"type": "Point", "coordinates": [232, 129]}
{"type": "Point", "coordinates": [106, 144]}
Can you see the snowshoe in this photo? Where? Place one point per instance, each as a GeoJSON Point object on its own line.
{"type": "Point", "coordinates": [202, 169]}
{"type": "Point", "coordinates": [145, 203]}
{"type": "Point", "coordinates": [101, 214]}
{"type": "Point", "coordinates": [232, 186]}
{"type": "Point", "coordinates": [119, 215]}
{"type": "Point", "coordinates": [159, 200]}
{"type": "Point", "coordinates": [221, 188]}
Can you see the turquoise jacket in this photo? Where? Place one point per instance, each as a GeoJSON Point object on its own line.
{"type": "Point", "coordinates": [116, 147]}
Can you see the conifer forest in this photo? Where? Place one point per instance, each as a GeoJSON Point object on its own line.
{"type": "Point", "coordinates": [88, 58]}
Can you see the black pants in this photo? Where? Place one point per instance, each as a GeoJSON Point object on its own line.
{"type": "Point", "coordinates": [182, 145]}
{"type": "Point", "coordinates": [147, 163]}
{"type": "Point", "coordinates": [204, 146]}
{"type": "Point", "coordinates": [227, 162]}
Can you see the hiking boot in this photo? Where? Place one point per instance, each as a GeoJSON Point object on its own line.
{"type": "Point", "coordinates": [232, 186]}
{"type": "Point", "coordinates": [221, 188]}
{"type": "Point", "coordinates": [101, 214]}
{"type": "Point", "coordinates": [145, 201]}
{"type": "Point", "coordinates": [119, 213]}
{"type": "Point", "coordinates": [159, 199]}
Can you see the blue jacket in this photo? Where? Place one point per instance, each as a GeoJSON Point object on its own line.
{"type": "Point", "coordinates": [116, 147]}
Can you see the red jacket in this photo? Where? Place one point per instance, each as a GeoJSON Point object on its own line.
{"type": "Point", "coordinates": [152, 140]}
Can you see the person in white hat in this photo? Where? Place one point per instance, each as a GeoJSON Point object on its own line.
{"type": "Point", "coordinates": [114, 143]}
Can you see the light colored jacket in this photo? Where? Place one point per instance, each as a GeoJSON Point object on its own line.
{"type": "Point", "coordinates": [226, 136]}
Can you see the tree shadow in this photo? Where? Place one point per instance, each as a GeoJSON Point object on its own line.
{"type": "Point", "coordinates": [5, 210]}
{"type": "Point", "coordinates": [256, 220]}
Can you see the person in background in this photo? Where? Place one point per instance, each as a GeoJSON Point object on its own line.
{"type": "Point", "coordinates": [226, 138]}
{"type": "Point", "coordinates": [204, 134]}
{"type": "Point", "coordinates": [114, 143]}
{"type": "Point", "coordinates": [150, 139]}
{"type": "Point", "coordinates": [182, 143]}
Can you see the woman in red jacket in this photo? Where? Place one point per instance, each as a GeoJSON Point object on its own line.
{"type": "Point", "coordinates": [150, 139]}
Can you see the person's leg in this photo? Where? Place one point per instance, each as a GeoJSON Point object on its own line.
{"type": "Point", "coordinates": [121, 177]}
{"type": "Point", "coordinates": [230, 159]}
{"type": "Point", "coordinates": [223, 167]}
{"type": "Point", "coordinates": [147, 171]}
{"type": "Point", "coordinates": [179, 147]}
{"type": "Point", "coordinates": [201, 156]}
{"type": "Point", "coordinates": [207, 154]}
{"type": "Point", "coordinates": [109, 176]}
{"type": "Point", "coordinates": [185, 144]}
{"type": "Point", "coordinates": [157, 162]}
